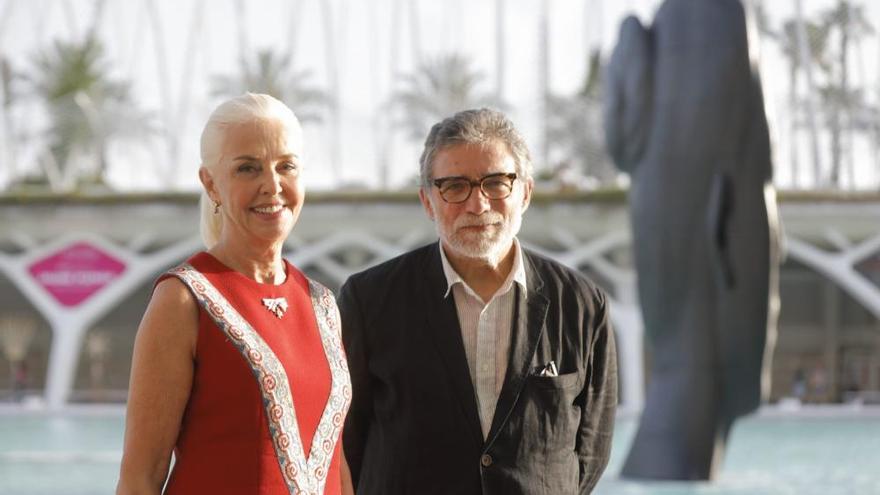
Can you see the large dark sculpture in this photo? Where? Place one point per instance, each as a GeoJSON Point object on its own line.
{"type": "Point", "coordinates": [684, 116]}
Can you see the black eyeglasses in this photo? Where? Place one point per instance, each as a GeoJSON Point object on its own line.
{"type": "Point", "coordinates": [458, 189]}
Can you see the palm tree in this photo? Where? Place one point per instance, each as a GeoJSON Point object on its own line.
{"type": "Point", "coordinates": [788, 39]}
{"type": "Point", "coordinates": [86, 108]}
{"type": "Point", "coordinates": [850, 24]}
{"type": "Point", "coordinates": [10, 96]}
{"type": "Point", "coordinates": [574, 128]}
{"type": "Point", "coordinates": [271, 74]}
{"type": "Point", "coordinates": [843, 107]}
{"type": "Point", "coordinates": [500, 47]}
{"type": "Point", "coordinates": [789, 42]}
{"type": "Point", "coordinates": [439, 87]}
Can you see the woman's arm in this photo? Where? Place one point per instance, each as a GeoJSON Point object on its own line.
{"type": "Point", "coordinates": [161, 378]}
{"type": "Point", "coordinates": [347, 485]}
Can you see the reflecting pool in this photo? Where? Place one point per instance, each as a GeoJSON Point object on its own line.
{"type": "Point", "coordinates": [78, 454]}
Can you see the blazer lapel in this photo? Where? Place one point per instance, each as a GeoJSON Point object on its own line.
{"type": "Point", "coordinates": [531, 314]}
{"type": "Point", "coordinates": [443, 326]}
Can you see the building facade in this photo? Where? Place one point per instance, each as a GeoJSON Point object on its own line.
{"type": "Point", "coordinates": [76, 274]}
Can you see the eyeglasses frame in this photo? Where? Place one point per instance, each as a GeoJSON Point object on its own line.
{"type": "Point", "coordinates": [478, 183]}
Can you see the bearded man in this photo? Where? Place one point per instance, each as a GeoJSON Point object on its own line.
{"type": "Point", "coordinates": [477, 366]}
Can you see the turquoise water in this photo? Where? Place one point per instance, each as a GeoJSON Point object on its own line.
{"type": "Point", "coordinates": [79, 455]}
{"type": "Point", "coordinates": [775, 456]}
{"type": "Point", "coordinates": [73, 455]}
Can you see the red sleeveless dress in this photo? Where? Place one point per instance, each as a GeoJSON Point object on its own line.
{"type": "Point", "coordinates": [261, 387]}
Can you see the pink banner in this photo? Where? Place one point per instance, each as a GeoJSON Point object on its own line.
{"type": "Point", "coordinates": [76, 272]}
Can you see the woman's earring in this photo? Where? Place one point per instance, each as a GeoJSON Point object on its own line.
{"type": "Point", "coordinates": [216, 207]}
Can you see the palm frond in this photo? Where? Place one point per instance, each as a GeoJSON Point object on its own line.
{"type": "Point", "coordinates": [86, 107]}
{"type": "Point", "coordinates": [438, 88]}
{"type": "Point", "coordinates": [272, 73]}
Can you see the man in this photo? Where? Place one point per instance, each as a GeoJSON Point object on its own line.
{"type": "Point", "coordinates": [478, 367]}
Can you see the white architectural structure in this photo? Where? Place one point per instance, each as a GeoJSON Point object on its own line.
{"type": "Point", "coordinates": [838, 237]}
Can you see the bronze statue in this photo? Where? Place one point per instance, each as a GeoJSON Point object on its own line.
{"type": "Point", "coordinates": [684, 116]}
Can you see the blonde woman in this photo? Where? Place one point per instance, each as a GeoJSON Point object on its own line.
{"type": "Point", "coordinates": [238, 367]}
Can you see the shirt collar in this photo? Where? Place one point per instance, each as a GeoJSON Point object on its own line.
{"type": "Point", "coordinates": [517, 272]}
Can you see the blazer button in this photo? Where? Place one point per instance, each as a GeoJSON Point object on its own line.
{"type": "Point", "coordinates": [485, 460]}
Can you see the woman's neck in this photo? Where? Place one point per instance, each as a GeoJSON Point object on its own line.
{"type": "Point", "coordinates": [260, 263]}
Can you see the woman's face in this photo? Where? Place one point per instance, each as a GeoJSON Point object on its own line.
{"type": "Point", "coordinates": [257, 181]}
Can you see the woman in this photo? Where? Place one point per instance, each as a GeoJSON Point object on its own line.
{"type": "Point", "coordinates": [238, 366]}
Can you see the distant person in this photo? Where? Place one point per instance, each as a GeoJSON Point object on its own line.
{"type": "Point", "coordinates": [819, 384]}
{"type": "Point", "coordinates": [478, 366]}
{"type": "Point", "coordinates": [799, 385]}
{"type": "Point", "coordinates": [238, 365]}
{"type": "Point", "coordinates": [19, 381]}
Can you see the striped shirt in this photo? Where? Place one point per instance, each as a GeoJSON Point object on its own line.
{"type": "Point", "coordinates": [485, 330]}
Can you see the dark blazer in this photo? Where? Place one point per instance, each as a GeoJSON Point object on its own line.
{"type": "Point", "coordinates": [413, 426]}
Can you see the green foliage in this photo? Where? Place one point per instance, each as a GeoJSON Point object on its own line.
{"type": "Point", "coordinates": [11, 79]}
{"type": "Point", "coordinates": [271, 74]}
{"type": "Point", "coordinates": [829, 39]}
{"type": "Point", "coordinates": [86, 109]}
{"type": "Point", "coordinates": [438, 88]}
{"type": "Point", "coordinates": [574, 128]}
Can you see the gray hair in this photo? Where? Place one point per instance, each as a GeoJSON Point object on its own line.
{"type": "Point", "coordinates": [482, 127]}
{"type": "Point", "coordinates": [239, 110]}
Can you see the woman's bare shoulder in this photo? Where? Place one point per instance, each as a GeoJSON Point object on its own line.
{"type": "Point", "coordinates": [171, 292]}
{"type": "Point", "coordinates": [172, 313]}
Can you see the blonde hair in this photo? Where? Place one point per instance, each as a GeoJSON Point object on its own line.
{"type": "Point", "coordinates": [239, 110]}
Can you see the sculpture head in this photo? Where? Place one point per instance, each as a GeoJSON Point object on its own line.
{"type": "Point", "coordinates": [628, 95]}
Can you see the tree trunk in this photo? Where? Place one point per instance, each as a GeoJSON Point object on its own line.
{"type": "Point", "coordinates": [840, 101]}
{"type": "Point", "coordinates": [330, 61]}
{"type": "Point", "coordinates": [793, 125]}
{"type": "Point", "coordinates": [543, 81]}
{"type": "Point", "coordinates": [805, 62]}
{"type": "Point", "coordinates": [500, 68]}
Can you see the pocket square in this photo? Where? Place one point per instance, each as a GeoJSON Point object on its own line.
{"type": "Point", "coordinates": [549, 369]}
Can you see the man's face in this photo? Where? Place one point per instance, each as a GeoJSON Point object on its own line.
{"type": "Point", "coordinates": [478, 228]}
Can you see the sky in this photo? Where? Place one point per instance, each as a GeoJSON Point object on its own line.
{"type": "Point", "coordinates": [170, 51]}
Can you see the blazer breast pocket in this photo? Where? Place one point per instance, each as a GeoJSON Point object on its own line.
{"type": "Point", "coordinates": [550, 416]}
{"type": "Point", "coordinates": [564, 381]}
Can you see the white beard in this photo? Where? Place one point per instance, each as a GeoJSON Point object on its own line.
{"type": "Point", "coordinates": [490, 245]}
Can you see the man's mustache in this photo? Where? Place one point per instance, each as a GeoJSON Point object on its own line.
{"type": "Point", "coordinates": [478, 220]}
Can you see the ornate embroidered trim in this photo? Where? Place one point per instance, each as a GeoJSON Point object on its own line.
{"type": "Point", "coordinates": [306, 476]}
